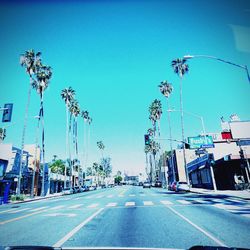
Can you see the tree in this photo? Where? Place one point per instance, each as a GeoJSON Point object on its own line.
{"type": "Point", "coordinates": [57, 166]}
{"type": "Point", "coordinates": [31, 61]}
{"type": "Point", "coordinates": [118, 179]}
{"type": "Point", "coordinates": [101, 146]}
{"type": "Point", "coordinates": [89, 171]}
{"type": "Point", "coordinates": [68, 95]}
{"type": "Point", "coordinates": [166, 89]}
{"type": "Point", "coordinates": [181, 68]}
{"type": "Point", "coordinates": [43, 76]}
{"type": "Point", "coordinates": [106, 165]}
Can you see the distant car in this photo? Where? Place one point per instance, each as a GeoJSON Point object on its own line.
{"type": "Point", "coordinates": [146, 184]}
{"type": "Point", "coordinates": [75, 190]}
{"type": "Point", "coordinates": [158, 184]}
{"type": "Point", "coordinates": [140, 183]}
{"type": "Point", "coordinates": [67, 191]}
{"type": "Point", "coordinates": [173, 186]}
{"type": "Point", "coordinates": [182, 186]}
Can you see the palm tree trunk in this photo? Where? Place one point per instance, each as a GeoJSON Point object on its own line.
{"type": "Point", "coordinates": [23, 137]}
{"type": "Point", "coordinates": [182, 131]}
{"type": "Point", "coordinates": [87, 146]}
{"type": "Point", "coordinates": [43, 148]}
{"type": "Point", "coordinates": [69, 145]}
{"type": "Point", "coordinates": [35, 161]}
{"type": "Point", "coordinates": [66, 147]}
{"type": "Point", "coordinates": [170, 137]}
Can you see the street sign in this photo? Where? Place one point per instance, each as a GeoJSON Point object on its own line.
{"type": "Point", "coordinates": [7, 112]}
{"type": "Point", "coordinates": [201, 142]}
{"type": "Point", "coordinates": [243, 142]}
{"type": "Point", "coordinates": [200, 151]}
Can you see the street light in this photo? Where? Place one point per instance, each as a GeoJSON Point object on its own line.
{"type": "Point", "coordinates": [192, 114]}
{"type": "Point", "coordinates": [221, 60]}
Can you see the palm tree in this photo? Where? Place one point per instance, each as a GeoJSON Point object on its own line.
{"type": "Point", "coordinates": [166, 89]}
{"type": "Point", "coordinates": [74, 111]}
{"type": "Point", "coordinates": [43, 76]}
{"type": "Point", "coordinates": [68, 95]}
{"type": "Point", "coordinates": [31, 61]}
{"type": "Point", "coordinates": [181, 68]}
{"type": "Point", "coordinates": [101, 146]}
{"type": "Point", "coordinates": [155, 111]}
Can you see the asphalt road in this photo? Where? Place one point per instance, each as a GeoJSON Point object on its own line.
{"type": "Point", "coordinates": [128, 216]}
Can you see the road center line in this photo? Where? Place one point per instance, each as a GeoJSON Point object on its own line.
{"type": "Point", "coordinates": [21, 217]}
{"type": "Point", "coordinates": [197, 227]}
{"type": "Point", "coordinates": [76, 229]}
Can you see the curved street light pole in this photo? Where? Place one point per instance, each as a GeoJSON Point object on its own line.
{"type": "Point", "coordinates": [221, 60]}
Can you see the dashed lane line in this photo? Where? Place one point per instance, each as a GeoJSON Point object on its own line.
{"type": "Point", "coordinates": [37, 209]}
{"type": "Point", "coordinates": [217, 241]}
{"type": "Point", "coordinates": [76, 206]}
{"type": "Point", "coordinates": [166, 202]}
{"type": "Point", "coordinates": [185, 202]}
{"type": "Point", "coordinates": [76, 229]}
{"type": "Point", "coordinates": [18, 210]}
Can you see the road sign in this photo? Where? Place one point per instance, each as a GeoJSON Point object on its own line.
{"type": "Point", "coordinates": [7, 112]}
{"type": "Point", "coordinates": [201, 142]}
{"type": "Point", "coordinates": [200, 151]}
{"type": "Point", "coordinates": [243, 142]}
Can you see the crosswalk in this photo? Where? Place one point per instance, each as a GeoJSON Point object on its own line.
{"type": "Point", "coordinates": [232, 205]}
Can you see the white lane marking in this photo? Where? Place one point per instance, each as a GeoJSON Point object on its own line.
{"type": "Point", "coordinates": [120, 195]}
{"type": "Point", "coordinates": [57, 207]}
{"type": "Point", "coordinates": [246, 215]}
{"type": "Point", "coordinates": [203, 201]}
{"type": "Point", "coordinates": [5, 211]}
{"type": "Point", "coordinates": [217, 200]}
{"type": "Point", "coordinates": [110, 196]}
{"type": "Point", "coordinates": [129, 203]}
{"type": "Point", "coordinates": [76, 229]}
{"type": "Point", "coordinates": [234, 200]}
{"type": "Point", "coordinates": [131, 195]}
{"type": "Point", "coordinates": [148, 203]}
{"type": "Point", "coordinates": [93, 205]}
{"type": "Point", "coordinates": [78, 198]}
{"type": "Point", "coordinates": [111, 204]}
{"type": "Point", "coordinates": [165, 202]}
{"type": "Point", "coordinates": [66, 199]}
{"type": "Point", "coordinates": [142, 195]}
{"type": "Point", "coordinates": [76, 206]}
{"type": "Point", "coordinates": [60, 214]}
{"type": "Point", "coordinates": [184, 202]}
{"type": "Point", "coordinates": [37, 209]}
{"type": "Point", "coordinates": [19, 210]}
{"type": "Point", "coordinates": [198, 228]}
{"type": "Point", "coordinates": [227, 207]}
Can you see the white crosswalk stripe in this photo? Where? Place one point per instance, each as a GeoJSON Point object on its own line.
{"type": "Point", "coordinates": [111, 204]}
{"type": "Point", "coordinates": [76, 206]}
{"type": "Point", "coordinates": [93, 205]}
{"type": "Point", "coordinates": [110, 196]}
{"type": "Point", "coordinates": [203, 201]}
{"type": "Point", "coordinates": [131, 195]}
{"type": "Point", "coordinates": [185, 202]}
{"type": "Point", "coordinates": [99, 196]}
{"type": "Point", "coordinates": [148, 203]}
{"type": "Point", "coordinates": [166, 202]}
{"type": "Point", "coordinates": [129, 204]}
{"type": "Point", "coordinates": [57, 207]}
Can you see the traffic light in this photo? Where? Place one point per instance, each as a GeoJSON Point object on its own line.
{"type": "Point", "coordinates": [147, 140]}
{"type": "Point", "coordinates": [7, 112]}
{"type": "Point", "coordinates": [241, 154]}
{"type": "Point", "coordinates": [187, 145]}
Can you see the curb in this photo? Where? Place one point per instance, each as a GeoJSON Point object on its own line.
{"type": "Point", "coordinates": [199, 192]}
{"type": "Point", "coordinates": [40, 198]}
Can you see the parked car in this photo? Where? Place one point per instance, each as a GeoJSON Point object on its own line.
{"type": "Point", "coordinates": [146, 184]}
{"type": "Point", "coordinates": [158, 184]}
{"type": "Point", "coordinates": [173, 186]}
{"type": "Point", "coordinates": [67, 191]}
{"type": "Point", "coordinates": [182, 186]}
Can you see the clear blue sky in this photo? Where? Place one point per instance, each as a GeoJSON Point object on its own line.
{"type": "Point", "coordinates": [114, 54]}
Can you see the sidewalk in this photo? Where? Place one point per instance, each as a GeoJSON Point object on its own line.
{"type": "Point", "coordinates": [242, 194]}
{"type": "Point", "coordinates": [28, 199]}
